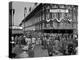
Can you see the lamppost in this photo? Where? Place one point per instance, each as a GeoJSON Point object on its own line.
{"type": "Point", "coordinates": [25, 11]}
{"type": "Point", "coordinates": [13, 12]}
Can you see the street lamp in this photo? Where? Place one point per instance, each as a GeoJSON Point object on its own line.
{"type": "Point", "coordinates": [25, 11]}
{"type": "Point", "coordinates": [12, 12]}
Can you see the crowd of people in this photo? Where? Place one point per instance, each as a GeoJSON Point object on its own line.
{"type": "Point", "coordinates": [55, 43]}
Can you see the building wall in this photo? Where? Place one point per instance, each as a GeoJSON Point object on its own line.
{"type": "Point", "coordinates": [64, 24]}
{"type": "Point", "coordinates": [44, 14]}
{"type": "Point", "coordinates": [30, 24]}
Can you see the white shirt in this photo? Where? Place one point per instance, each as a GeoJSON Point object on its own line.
{"type": "Point", "coordinates": [33, 40]}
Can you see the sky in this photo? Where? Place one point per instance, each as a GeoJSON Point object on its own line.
{"type": "Point", "coordinates": [19, 10]}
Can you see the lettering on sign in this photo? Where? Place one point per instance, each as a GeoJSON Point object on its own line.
{"type": "Point", "coordinates": [59, 10]}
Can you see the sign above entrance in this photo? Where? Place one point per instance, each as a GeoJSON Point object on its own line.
{"type": "Point", "coordinates": [59, 10]}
